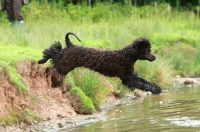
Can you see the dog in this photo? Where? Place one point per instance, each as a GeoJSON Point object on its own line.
{"type": "Point", "coordinates": [112, 63]}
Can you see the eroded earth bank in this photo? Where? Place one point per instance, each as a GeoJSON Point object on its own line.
{"type": "Point", "coordinates": [46, 104]}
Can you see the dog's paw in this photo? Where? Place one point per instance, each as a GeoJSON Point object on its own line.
{"type": "Point", "coordinates": [156, 90]}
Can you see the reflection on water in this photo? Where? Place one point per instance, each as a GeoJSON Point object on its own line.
{"type": "Point", "coordinates": [177, 110]}
{"type": "Point", "coordinates": [185, 121]}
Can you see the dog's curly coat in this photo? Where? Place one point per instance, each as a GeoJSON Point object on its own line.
{"type": "Point", "coordinates": [115, 63]}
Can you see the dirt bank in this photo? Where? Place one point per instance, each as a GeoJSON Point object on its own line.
{"type": "Point", "coordinates": [47, 104]}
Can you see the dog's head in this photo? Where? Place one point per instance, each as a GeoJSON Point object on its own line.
{"type": "Point", "coordinates": [53, 53]}
{"type": "Point", "coordinates": [142, 48]}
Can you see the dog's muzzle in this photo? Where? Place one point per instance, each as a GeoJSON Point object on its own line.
{"type": "Point", "coordinates": [149, 57]}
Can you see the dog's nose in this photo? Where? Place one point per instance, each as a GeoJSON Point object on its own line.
{"type": "Point", "coordinates": [152, 58]}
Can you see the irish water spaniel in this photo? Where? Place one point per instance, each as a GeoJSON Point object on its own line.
{"type": "Point", "coordinates": [112, 63]}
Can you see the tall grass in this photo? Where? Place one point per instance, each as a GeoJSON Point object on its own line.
{"type": "Point", "coordinates": [197, 62]}
{"type": "Point", "coordinates": [81, 102]}
{"type": "Point", "coordinates": [159, 72]}
{"type": "Point", "coordinates": [91, 83]}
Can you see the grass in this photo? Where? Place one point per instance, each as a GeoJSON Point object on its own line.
{"type": "Point", "coordinates": [9, 119]}
{"type": "Point", "coordinates": [81, 102]}
{"type": "Point", "coordinates": [34, 100]}
{"type": "Point", "coordinates": [159, 72]}
{"type": "Point", "coordinates": [30, 115]}
{"type": "Point", "coordinates": [15, 117]}
{"type": "Point", "coordinates": [12, 54]}
{"type": "Point", "coordinates": [121, 89]}
{"type": "Point", "coordinates": [14, 78]}
{"type": "Point", "coordinates": [91, 83]}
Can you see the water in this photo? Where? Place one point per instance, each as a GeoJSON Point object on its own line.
{"type": "Point", "coordinates": [174, 111]}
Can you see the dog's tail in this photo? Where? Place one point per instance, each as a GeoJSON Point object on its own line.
{"type": "Point", "coordinates": [68, 42]}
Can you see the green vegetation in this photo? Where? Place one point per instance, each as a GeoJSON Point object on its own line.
{"type": "Point", "coordinates": [10, 55]}
{"type": "Point", "coordinates": [91, 83]}
{"type": "Point", "coordinates": [9, 119]}
{"type": "Point", "coordinates": [160, 73]}
{"type": "Point", "coordinates": [81, 102]}
{"type": "Point", "coordinates": [34, 100]}
{"type": "Point", "coordinates": [30, 115]}
{"type": "Point", "coordinates": [15, 117]}
{"type": "Point", "coordinates": [121, 89]}
{"type": "Point", "coordinates": [14, 77]}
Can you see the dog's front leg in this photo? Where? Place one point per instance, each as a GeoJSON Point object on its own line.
{"type": "Point", "coordinates": [132, 82]}
{"type": "Point", "coordinates": [155, 87]}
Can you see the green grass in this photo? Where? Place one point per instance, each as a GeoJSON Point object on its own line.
{"type": "Point", "coordinates": [15, 78]}
{"type": "Point", "coordinates": [15, 117]}
{"type": "Point", "coordinates": [91, 83]}
{"type": "Point", "coordinates": [13, 53]}
{"type": "Point", "coordinates": [30, 115]}
{"type": "Point", "coordinates": [83, 104]}
{"type": "Point", "coordinates": [159, 72]}
{"type": "Point", "coordinates": [9, 119]}
{"type": "Point", "coordinates": [121, 89]}
{"type": "Point", "coordinates": [10, 56]}
{"type": "Point", "coordinates": [34, 100]}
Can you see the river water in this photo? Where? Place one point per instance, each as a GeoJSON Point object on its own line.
{"type": "Point", "coordinates": [177, 110]}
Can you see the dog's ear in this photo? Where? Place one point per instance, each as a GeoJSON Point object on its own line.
{"type": "Point", "coordinates": [141, 43]}
{"type": "Point", "coordinates": [58, 45]}
{"type": "Point", "coordinates": [46, 57]}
